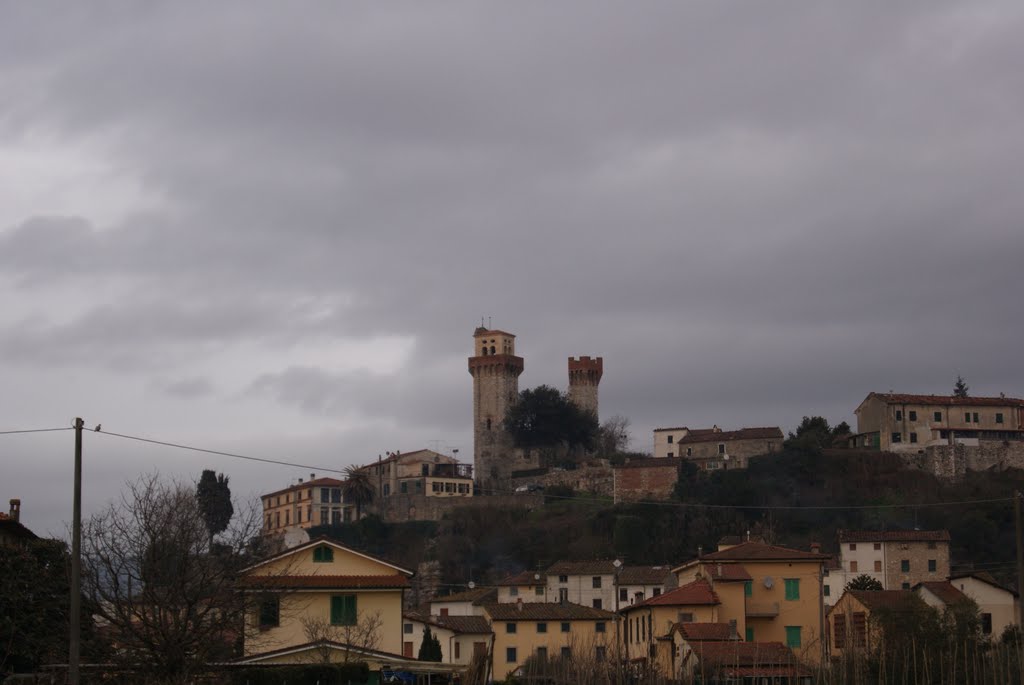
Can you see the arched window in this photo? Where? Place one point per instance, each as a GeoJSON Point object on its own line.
{"type": "Point", "coordinates": [492, 349]}
{"type": "Point", "coordinates": [488, 424]}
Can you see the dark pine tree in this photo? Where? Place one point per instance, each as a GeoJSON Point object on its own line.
{"type": "Point", "coordinates": [214, 497]}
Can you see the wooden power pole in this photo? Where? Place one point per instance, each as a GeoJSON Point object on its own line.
{"type": "Point", "coordinates": [75, 634]}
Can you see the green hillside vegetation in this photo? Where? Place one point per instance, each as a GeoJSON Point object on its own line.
{"type": "Point", "coordinates": [488, 543]}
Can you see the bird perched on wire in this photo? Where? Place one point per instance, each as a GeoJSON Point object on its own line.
{"type": "Point", "coordinates": [98, 427]}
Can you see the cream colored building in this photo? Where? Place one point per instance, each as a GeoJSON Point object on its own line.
{"type": "Point", "coordinates": [713, 448]}
{"type": "Point", "coordinates": [422, 472]}
{"type": "Point", "coordinates": [544, 630]}
{"type": "Point", "coordinates": [528, 586]}
{"type": "Point", "coordinates": [899, 559]}
{"type": "Point", "coordinates": [589, 583]}
{"type": "Point", "coordinates": [772, 593]}
{"type": "Point", "coordinates": [467, 603]}
{"type": "Point", "coordinates": [648, 624]}
{"type": "Point", "coordinates": [304, 504]}
{"type": "Point", "coordinates": [322, 591]}
{"type": "Point", "coordinates": [998, 605]}
{"type": "Point", "coordinates": [461, 637]}
{"type": "Point", "coordinates": [897, 422]}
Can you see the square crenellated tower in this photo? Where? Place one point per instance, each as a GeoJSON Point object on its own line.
{"type": "Point", "coordinates": [495, 369]}
{"type": "Point", "coordinates": [584, 377]}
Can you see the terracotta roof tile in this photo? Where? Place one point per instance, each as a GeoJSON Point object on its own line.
{"type": "Point", "coordinates": [944, 590]}
{"type": "Point", "coordinates": [743, 654]}
{"type": "Point", "coordinates": [479, 595]}
{"type": "Point", "coordinates": [582, 568]}
{"type": "Point", "coordinates": [760, 433]}
{"type": "Point", "coordinates": [523, 578]}
{"type": "Point", "coordinates": [644, 575]}
{"type": "Point", "coordinates": [727, 573]}
{"type": "Point", "coordinates": [698, 632]}
{"type": "Point", "coordinates": [325, 582]}
{"type": "Point", "coordinates": [948, 400]}
{"type": "Point", "coordinates": [546, 611]}
{"type": "Point", "coordinates": [758, 551]}
{"type": "Point", "coordinates": [699, 592]}
{"type": "Point", "coordinates": [885, 599]}
{"type": "Point", "coordinates": [893, 536]}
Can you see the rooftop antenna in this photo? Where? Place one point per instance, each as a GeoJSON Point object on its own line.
{"type": "Point", "coordinates": [481, 322]}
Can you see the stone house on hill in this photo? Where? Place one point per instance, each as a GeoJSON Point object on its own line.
{"type": "Point", "coordinates": [713, 448]}
{"type": "Point", "coordinates": [899, 559]}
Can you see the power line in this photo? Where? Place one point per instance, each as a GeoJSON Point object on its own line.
{"type": "Point", "coordinates": [37, 430]}
{"type": "Point", "coordinates": [233, 455]}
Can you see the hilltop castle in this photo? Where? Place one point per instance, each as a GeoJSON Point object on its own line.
{"type": "Point", "coordinates": [495, 369]}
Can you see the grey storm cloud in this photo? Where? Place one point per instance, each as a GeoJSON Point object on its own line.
{"type": "Point", "coordinates": [753, 212]}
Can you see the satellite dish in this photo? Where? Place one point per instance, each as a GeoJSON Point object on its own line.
{"type": "Point", "coordinates": [472, 585]}
{"type": "Point", "coordinates": [536, 576]}
{"type": "Point", "coordinates": [617, 564]}
{"type": "Point", "coordinates": [768, 582]}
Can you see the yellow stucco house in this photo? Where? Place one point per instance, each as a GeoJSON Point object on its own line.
{"type": "Point", "coordinates": [771, 593]}
{"type": "Point", "coordinates": [322, 601]}
{"type": "Point", "coordinates": [647, 626]}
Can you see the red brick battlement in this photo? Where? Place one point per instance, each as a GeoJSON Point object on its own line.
{"type": "Point", "coordinates": [587, 365]}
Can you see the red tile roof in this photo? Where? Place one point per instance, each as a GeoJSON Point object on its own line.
{"type": "Point", "coordinates": [698, 632]}
{"type": "Point", "coordinates": [523, 578]}
{"type": "Point", "coordinates": [479, 595]}
{"type": "Point", "coordinates": [743, 654]}
{"type": "Point", "coordinates": [944, 590]}
{"type": "Point", "coordinates": [456, 624]}
{"type": "Point", "coordinates": [644, 575]}
{"type": "Point", "coordinates": [758, 551]}
{"type": "Point", "coordinates": [324, 582]}
{"type": "Point", "coordinates": [727, 573]}
{"type": "Point", "coordinates": [946, 400]}
{"type": "Point", "coordinates": [885, 599]}
{"type": "Point", "coordinates": [546, 611]}
{"type": "Point", "coordinates": [893, 536]}
{"type": "Point", "coordinates": [699, 592]}
{"type": "Point", "coordinates": [604, 567]}
{"type": "Point", "coordinates": [760, 433]}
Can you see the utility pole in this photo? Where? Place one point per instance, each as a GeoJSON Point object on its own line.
{"type": "Point", "coordinates": [74, 638]}
{"type": "Point", "coordinates": [1020, 573]}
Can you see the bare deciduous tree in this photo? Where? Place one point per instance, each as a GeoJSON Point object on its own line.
{"type": "Point", "coordinates": [164, 595]}
{"type": "Point", "coordinates": [363, 634]}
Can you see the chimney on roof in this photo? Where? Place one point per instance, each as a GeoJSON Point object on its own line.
{"type": "Point", "coordinates": [519, 604]}
{"type": "Point", "coordinates": [700, 551]}
{"type": "Point", "coordinates": [816, 547]}
{"type": "Point", "coordinates": [300, 481]}
{"type": "Point", "coordinates": [312, 476]}
{"type": "Point", "coordinates": [748, 535]}
{"type": "Point", "coordinates": [15, 510]}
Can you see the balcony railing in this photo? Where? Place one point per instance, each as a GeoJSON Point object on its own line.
{"type": "Point", "coordinates": [762, 609]}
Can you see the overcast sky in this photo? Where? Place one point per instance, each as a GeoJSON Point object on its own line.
{"type": "Point", "coordinates": [271, 228]}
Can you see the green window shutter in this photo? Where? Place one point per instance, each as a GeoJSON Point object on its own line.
{"type": "Point", "coordinates": [748, 588]}
{"type": "Point", "coordinates": [792, 636]}
{"type": "Point", "coordinates": [337, 610]}
{"type": "Point", "coordinates": [792, 589]}
{"type": "Point", "coordinates": [323, 555]}
{"type": "Point", "coordinates": [349, 611]}
{"type": "Point", "coordinates": [750, 634]}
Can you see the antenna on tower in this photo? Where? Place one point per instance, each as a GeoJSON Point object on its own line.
{"type": "Point", "coordinates": [481, 322]}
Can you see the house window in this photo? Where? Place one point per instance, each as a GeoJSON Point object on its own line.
{"type": "Point", "coordinates": [931, 544]}
{"type": "Point", "coordinates": [905, 586]}
{"type": "Point", "coordinates": [597, 603]}
{"type": "Point", "coordinates": [405, 487]}
{"type": "Point", "coordinates": [563, 594]}
{"type": "Point", "coordinates": [932, 566]}
{"type": "Point", "coordinates": [542, 653]}
{"type": "Point", "coordinates": [542, 627]}
{"type": "Point", "coordinates": [387, 489]}
{"type": "Point", "coordinates": [748, 588]}
{"type": "Point", "coordinates": [878, 546]}
{"type": "Point", "coordinates": [599, 627]}
{"type": "Point", "coordinates": [600, 653]}
{"type": "Point", "coordinates": [899, 414]}
{"type": "Point", "coordinates": [975, 417]}
{"type": "Point", "coordinates": [565, 627]}
{"type": "Point", "coordinates": [670, 439]}
{"type": "Point", "coordinates": [407, 628]}
{"type": "Point", "coordinates": [444, 611]}
{"type": "Point", "coordinates": [721, 448]}
{"type": "Point", "coordinates": [986, 624]}
{"type": "Point", "coordinates": [458, 650]}
{"type": "Point", "coordinates": [913, 415]}
{"type": "Point", "coordinates": [424, 469]}
{"type": "Point", "coordinates": [853, 567]}
{"type": "Point", "coordinates": [343, 610]}
{"type": "Point", "coordinates": [623, 594]}
{"type": "Point", "coordinates": [656, 592]}
{"type": "Point", "coordinates": [565, 653]}
{"type": "Point", "coordinates": [510, 628]}
{"type": "Point", "coordinates": [913, 437]}
{"type": "Point", "coordinates": [685, 617]}
{"type": "Point", "coordinates": [878, 565]}
{"type": "Point", "coordinates": [792, 636]}
{"type": "Point", "coordinates": [999, 417]}
{"type": "Point", "coordinates": [539, 590]}
{"type": "Point", "coordinates": [792, 589]}
{"type": "Point", "coordinates": [896, 437]}
{"type": "Point", "coordinates": [937, 416]}
{"type": "Point", "coordinates": [828, 591]}
{"type": "Point", "coordinates": [323, 555]}
{"type": "Point", "coordinates": [514, 591]}
{"type": "Point", "coordinates": [750, 634]}
{"type": "Point", "coordinates": [595, 582]}
{"type": "Point", "coordinates": [905, 565]}
{"type": "Point", "coordinates": [510, 655]}
{"type": "Point", "coordinates": [689, 451]}
{"type": "Point", "coordinates": [270, 612]}
{"type": "Point", "coordinates": [670, 454]}
{"type": "Point", "coordinates": [563, 579]}
{"type": "Point", "coordinates": [967, 417]}
{"type": "Point", "coordinates": [853, 546]}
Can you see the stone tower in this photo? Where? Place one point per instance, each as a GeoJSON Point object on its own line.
{"type": "Point", "coordinates": [584, 377]}
{"type": "Point", "coordinates": [495, 369]}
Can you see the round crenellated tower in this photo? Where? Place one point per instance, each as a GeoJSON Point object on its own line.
{"type": "Point", "coordinates": [495, 369]}
{"type": "Point", "coordinates": [584, 377]}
